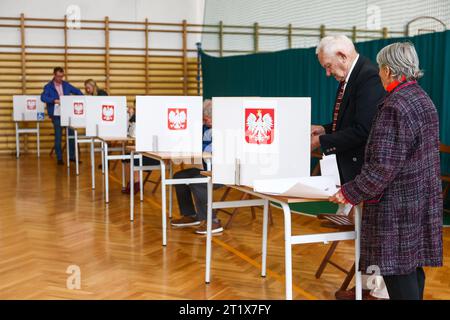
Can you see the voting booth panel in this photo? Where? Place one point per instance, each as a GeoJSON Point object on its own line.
{"type": "Point", "coordinates": [169, 123]}
{"type": "Point", "coordinates": [73, 111]}
{"type": "Point", "coordinates": [260, 138]}
{"type": "Point", "coordinates": [106, 116]}
{"type": "Point", "coordinates": [28, 108]}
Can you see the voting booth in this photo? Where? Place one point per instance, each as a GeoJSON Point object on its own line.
{"type": "Point", "coordinates": [106, 116]}
{"type": "Point", "coordinates": [29, 109]}
{"type": "Point", "coordinates": [73, 111]}
{"type": "Point", "coordinates": [260, 138]}
{"type": "Point", "coordinates": [261, 146]}
{"type": "Point", "coordinates": [169, 124]}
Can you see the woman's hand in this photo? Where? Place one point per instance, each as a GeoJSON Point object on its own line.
{"type": "Point", "coordinates": [338, 198]}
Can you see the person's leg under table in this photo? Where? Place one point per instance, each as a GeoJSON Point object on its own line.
{"type": "Point", "coordinates": [71, 145]}
{"type": "Point", "coordinates": [57, 129]}
{"type": "Point", "coordinates": [185, 201]}
{"type": "Point", "coordinates": [199, 191]}
{"type": "Point", "coordinates": [67, 149]}
{"type": "Point", "coordinates": [200, 194]}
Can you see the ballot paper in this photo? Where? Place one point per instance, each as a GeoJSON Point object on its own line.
{"type": "Point", "coordinates": [301, 187]}
{"type": "Point", "coordinates": [329, 168]}
{"type": "Point", "coordinates": [57, 110]}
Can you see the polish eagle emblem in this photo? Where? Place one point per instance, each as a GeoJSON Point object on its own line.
{"type": "Point", "coordinates": [78, 108]}
{"type": "Point", "coordinates": [31, 104]}
{"type": "Point", "coordinates": [259, 126]}
{"type": "Point", "coordinates": [177, 118]}
{"type": "Point", "coordinates": [108, 113]}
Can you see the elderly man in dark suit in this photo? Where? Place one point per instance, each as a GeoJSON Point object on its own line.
{"type": "Point", "coordinates": [358, 94]}
{"type": "Point", "coordinates": [401, 229]}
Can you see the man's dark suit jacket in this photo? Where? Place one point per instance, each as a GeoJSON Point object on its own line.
{"type": "Point", "coordinates": [362, 95]}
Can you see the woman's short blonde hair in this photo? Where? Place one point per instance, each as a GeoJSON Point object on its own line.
{"type": "Point", "coordinates": [402, 59]}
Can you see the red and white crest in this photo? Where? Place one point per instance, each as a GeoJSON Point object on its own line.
{"type": "Point", "coordinates": [31, 104]}
{"type": "Point", "coordinates": [259, 126]}
{"type": "Point", "coordinates": [108, 112]}
{"type": "Point", "coordinates": [177, 118]}
{"type": "Point", "coordinates": [78, 108]}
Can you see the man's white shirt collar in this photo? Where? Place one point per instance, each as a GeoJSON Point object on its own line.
{"type": "Point", "coordinates": [351, 69]}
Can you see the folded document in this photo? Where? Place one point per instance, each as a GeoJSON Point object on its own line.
{"type": "Point", "coordinates": [303, 187]}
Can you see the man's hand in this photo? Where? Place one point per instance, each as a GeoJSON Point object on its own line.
{"type": "Point", "coordinates": [315, 143]}
{"type": "Point", "coordinates": [338, 198]}
{"type": "Point", "coordinates": [317, 130]}
{"type": "Point", "coordinates": [56, 101]}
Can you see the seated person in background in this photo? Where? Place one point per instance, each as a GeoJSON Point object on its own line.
{"type": "Point", "coordinates": [145, 160]}
{"type": "Point", "coordinates": [51, 95]}
{"type": "Point", "coordinates": [91, 88]}
{"type": "Point", "coordinates": [195, 215]}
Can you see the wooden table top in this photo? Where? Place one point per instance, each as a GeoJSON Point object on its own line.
{"type": "Point", "coordinates": [270, 197]}
{"type": "Point", "coordinates": [172, 155]}
{"type": "Point", "coordinates": [112, 139]}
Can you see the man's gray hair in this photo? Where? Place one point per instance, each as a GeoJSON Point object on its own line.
{"type": "Point", "coordinates": [402, 59]}
{"type": "Point", "coordinates": [207, 108]}
{"type": "Point", "coordinates": [330, 45]}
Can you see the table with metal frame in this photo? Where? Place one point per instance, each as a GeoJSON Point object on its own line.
{"type": "Point", "coordinates": [289, 239]}
{"type": "Point", "coordinates": [35, 130]}
{"type": "Point", "coordinates": [166, 160]}
{"type": "Point", "coordinates": [106, 149]}
{"type": "Point", "coordinates": [80, 140]}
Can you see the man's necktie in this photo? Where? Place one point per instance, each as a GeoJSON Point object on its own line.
{"type": "Point", "coordinates": [337, 105]}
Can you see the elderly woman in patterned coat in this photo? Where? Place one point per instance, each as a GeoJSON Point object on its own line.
{"type": "Point", "coordinates": [399, 184]}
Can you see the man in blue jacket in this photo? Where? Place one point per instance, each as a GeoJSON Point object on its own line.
{"type": "Point", "coordinates": [51, 96]}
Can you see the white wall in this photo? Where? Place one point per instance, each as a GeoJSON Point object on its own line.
{"type": "Point", "coordinates": [129, 10]}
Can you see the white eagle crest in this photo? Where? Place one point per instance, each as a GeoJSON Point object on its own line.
{"type": "Point", "coordinates": [108, 113]}
{"type": "Point", "coordinates": [259, 126]}
{"type": "Point", "coordinates": [78, 108]}
{"type": "Point", "coordinates": [31, 104]}
{"type": "Point", "coordinates": [177, 119]}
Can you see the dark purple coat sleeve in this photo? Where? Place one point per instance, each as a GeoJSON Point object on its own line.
{"type": "Point", "coordinates": [390, 140]}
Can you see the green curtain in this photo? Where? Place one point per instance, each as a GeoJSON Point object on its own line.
{"type": "Point", "coordinates": [297, 73]}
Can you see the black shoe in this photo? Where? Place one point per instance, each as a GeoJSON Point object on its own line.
{"type": "Point", "coordinates": [60, 163]}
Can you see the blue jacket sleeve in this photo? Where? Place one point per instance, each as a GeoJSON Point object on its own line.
{"type": "Point", "coordinates": [46, 95]}
{"type": "Point", "coordinates": [74, 91]}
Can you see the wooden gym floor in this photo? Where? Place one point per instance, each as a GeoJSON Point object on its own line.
{"type": "Point", "coordinates": [50, 220]}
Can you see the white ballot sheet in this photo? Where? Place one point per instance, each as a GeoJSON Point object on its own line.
{"type": "Point", "coordinates": [329, 168]}
{"type": "Point", "coordinates": [301, 187]}
{"type": "Point", "coordinates": [57, 110]}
